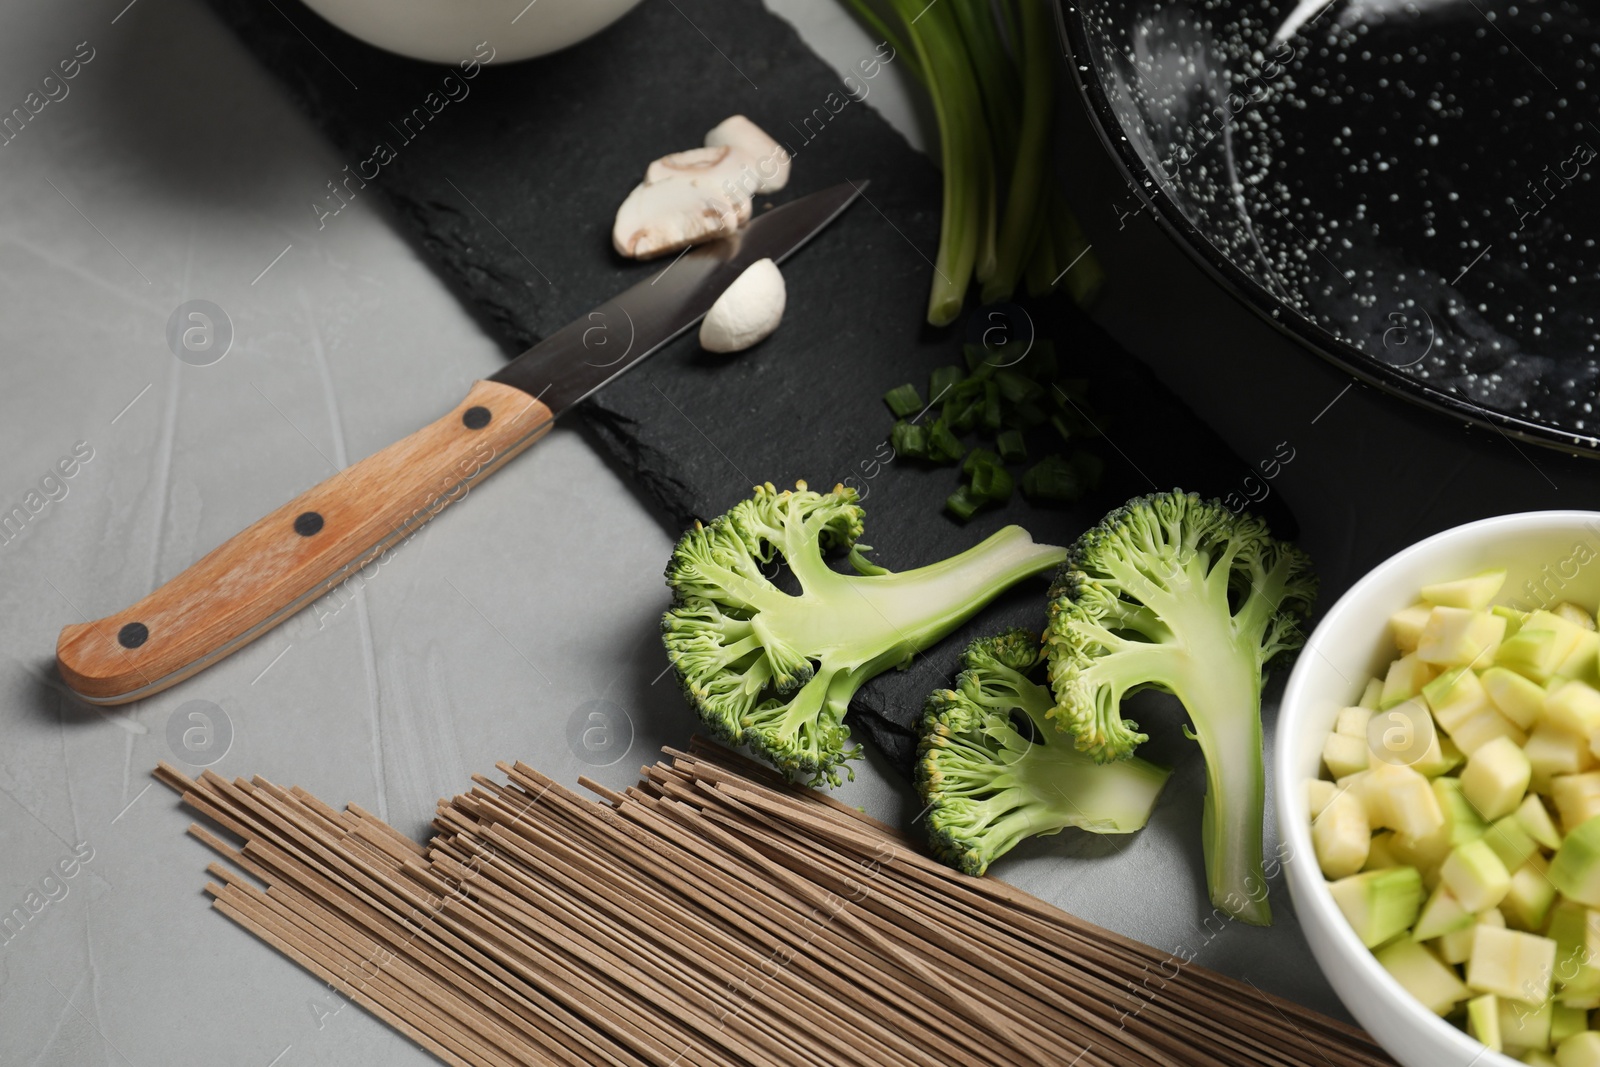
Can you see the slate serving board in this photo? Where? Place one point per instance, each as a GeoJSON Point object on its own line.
{"type": "Point", "coordinates": [509, 190]}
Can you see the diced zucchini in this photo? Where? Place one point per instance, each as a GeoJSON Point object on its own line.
{"type": "Point", "coordinates": [1442, 756]}
{"type": "Point", "coordinates": [1406, 625]}
{"type": "Point", "coordinates": [1527, 903]}
{"type": "Point", "coordinates": [1575, 870]}
{"type": "Point", "coordinates": [1462, 820]}
{"type": "Point", "coordinates": [1381, 853]}
{"type": "Point", "coordinates": [1536, 1058]}
{"type": "Point", "coordinates": [1517, 698]}
{"type": "Point", "coordinates": [1580, 662]}
{"type": "Point", "coordinates": [1525, 1027]}
{"type": "Point", "coordinates": [1576, 931]}
{"type": "Point", "coordinates": [1574, 707]}
{"type": "Point", "coordinates": [1483, 1020]}
{"type": "Point", "coordinates": [1475, 875]}
{"type": "Point", "coordinates": [1484, 727]}
{"type": "Point", "coordinates": [1511, 964]}
{"type": "Point", "coordinates": [1442, 914]}
{"type": "Point", "coordinates": [1344, 755]}
{"type": "Point", "coordinates": [1455, 947]}
{"type": "Point", "coordinates": [1341, 835]}
{"type": "Point", "coordinates": [1353, 721]}
{"type": "Point", "coordinates": [1423, 976]}
{"type": "Point", "coordinates": [1579, 1050]}
{"type": "Point", "coordinates": [1496, 778]}
{"type": "Point", "coordinates": [1566, 1021]}
{"type": "Point", "coordinates": [1379, 905]}
{"type": "Point", "coordinates": [1511, 842]}
{"type": "Point", "coordinates": [1407, 675]}
{"type": "Point", "coordinates": [1552, 751]}
{"type": "Point", "coordinates": [1533, 818]}
{"type": "Point", "coordinates": [1532, 653]}
{"type": "Point", "coordinates": [1455, 696]}
{"type": "Point", "coordinates": [1399, 799]}
{"type": "Point", "coordinates": [1574, 614]}
{"type": "Point", "coordinates": [1318, 792]}
{"type": "Point", "coordinates": [1371, 694]}
{"type": "Point", "coordinates": [1513, 617]}
{"type": "Point", "coordinates": [1576, 797]}
{"type": "Point", "coordinates": [1460, 637]}
{"type": "Point", "coordinates": [1473, 593]}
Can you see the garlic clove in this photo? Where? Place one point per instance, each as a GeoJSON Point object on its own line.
{"type": "Point", "coordinates": [770, 161]}
{"type": "Point", "coordinates": [747, 312]}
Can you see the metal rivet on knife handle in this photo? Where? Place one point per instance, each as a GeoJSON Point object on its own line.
{"type": "Point", "coordinates": [252, 582]}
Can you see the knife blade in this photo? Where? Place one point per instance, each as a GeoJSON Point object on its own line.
{"type": "Point", "coordinates": [262, 575]}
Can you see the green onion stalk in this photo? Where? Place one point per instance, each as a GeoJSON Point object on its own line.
{"type": "Point", "coordinates": [989, 69]}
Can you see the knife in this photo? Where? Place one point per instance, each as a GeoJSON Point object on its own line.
{"type": "Point", "coordinates": [255, 580]}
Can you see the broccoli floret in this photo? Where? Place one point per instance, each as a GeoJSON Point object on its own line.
{"type": "Point", "coordinates": [776, 670]}
{"type": "Point", "coordinates": [987, 784]}
{"type": "Point", "coordinates": [1173, 593]}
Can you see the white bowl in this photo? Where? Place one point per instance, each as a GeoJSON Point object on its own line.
{"type": "Point", "coordinates": [1549, 556]}
{"type": "Point", "coordinates": [446, 31]}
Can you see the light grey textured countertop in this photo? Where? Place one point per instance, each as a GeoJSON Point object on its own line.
{"type": "Point", "coordinates": [175, 170]}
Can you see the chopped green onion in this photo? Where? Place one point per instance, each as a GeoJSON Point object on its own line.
{"type": "Point", "coordinates": [941, 381]}
{"type": "Point", "coordinates": [991, 483]}
{"type": "Point", "coordinates": [903, 400]}
{"type": "Point", "coordinates": [1011, 446]}
{"type": "Point", "coordinates": [944, 445]}
{"type": "Point", "coordinates": [1016, 388]}
{"type": "Point", "coordinates": [978, 457]}
{"type": "Point", "coordinates": [1054, 480]}
{"type": "Point", "coordinates": [909, 440]}
{"type": "Point", "coordinates": [962, 504]}
{"type": "Point", "coordinates": [991, 407]}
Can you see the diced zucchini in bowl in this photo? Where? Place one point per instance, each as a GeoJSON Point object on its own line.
{"type": "Point", "coordinates": [1459, 824]}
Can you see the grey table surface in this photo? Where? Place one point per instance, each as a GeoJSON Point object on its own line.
{"type": "Point", "coordinates": [173, 171]}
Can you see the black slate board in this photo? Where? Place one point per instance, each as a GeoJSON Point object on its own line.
{"type": "Point", "coordinates": [509, 192]}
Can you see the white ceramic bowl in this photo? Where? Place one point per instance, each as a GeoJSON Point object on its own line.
{"type": "Point", "coordinates": [1555, 551]}
{"type": "Point", "coordinates": [447, 31]}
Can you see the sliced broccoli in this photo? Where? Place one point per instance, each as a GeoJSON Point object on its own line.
{"type": "Point", "coordinates": [1173, 593]}
{"type": "Point", "coordinates": [987, 784]}
{"type": "Point", "coordinates": [777, 670]}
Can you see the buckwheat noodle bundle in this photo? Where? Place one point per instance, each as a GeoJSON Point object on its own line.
{"type": "Point", "coordinates": [711, 914]}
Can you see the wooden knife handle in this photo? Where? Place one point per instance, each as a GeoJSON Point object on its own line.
{"type": "Point", "coordinates": [255, 580]}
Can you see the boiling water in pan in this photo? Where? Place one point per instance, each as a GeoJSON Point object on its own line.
{"type": "Point", "coordinates": [1417, 179]}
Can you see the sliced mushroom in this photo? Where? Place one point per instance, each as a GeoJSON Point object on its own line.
{"type": "Point", "coordinates": [771, 162]}
{"type": "Point", "coordinates": [747, 311]}
{"type": "Point", "coordinates": [686, 198]}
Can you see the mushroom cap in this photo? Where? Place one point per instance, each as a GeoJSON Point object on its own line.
{"type": "Point", "coordinates": [748, 311]}
{"type": "Point", "coordinates": [769, 158]}
{"type": "Point", "coordinates": [686, 198]}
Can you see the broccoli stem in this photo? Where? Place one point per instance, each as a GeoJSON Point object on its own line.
{"type": "Point", "coordinates": [857, 626]}
{"type": "Point", "coordinates": [1223, 695]}
{"type": "Point", "coordinates": [857, 620]}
